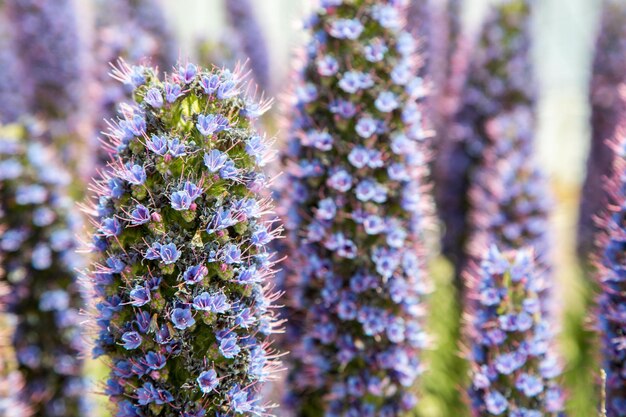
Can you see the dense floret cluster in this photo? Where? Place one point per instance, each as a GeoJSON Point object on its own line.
{"type": "Point", "coordinates": [612, 301]}
{"type": "Point", "coordinates": [608, 108]}
{"type": "Point", "coordinates": [513, 367]}
{"type": "Point", "coordinates": [37, 251]}
{"type": "Point", "coordinates": [183, 305]}
{"type": "Point", "coordinates": [355, 208]}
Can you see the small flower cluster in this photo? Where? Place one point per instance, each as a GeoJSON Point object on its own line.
{"type": "Point", "coordinates": [612, 300]}
{"type": "Point", "coordinates": [513, 367]}
{"type": "Point", "coordinates": [253, 46]}
{"type": "Point", "coordinates": [499, 81]}
{"type": "Point", "coordinates": [37, 249]}
{"type": "Point", "coordinates": [608, 107]}
{"type": "Point", "coordinates": [355, 209]}
{"type": "Point", "coordinates": [47, 36]}
{"type": "Point", "coordinates": [509, 198]}
{"type": "Point", "coordinates": [183, 306]}
{"type": "Point", "coordinates": [12, 102]}
{"type": "Point", "coordinates": [126, 30]}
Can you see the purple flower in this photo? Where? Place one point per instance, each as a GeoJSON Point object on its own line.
{"type": "Point", "coordinates": [256, 148]}
{"type": "Point", "coordinates": [172, 92]}
{"type": "Point", "coordinates": [140, 215]}
{"type": "Point", "coordinates": [187, 73]}
{"type": "Point", "coordinates": [346, 29]}
{"type": "Point", "coordinates": [340, 181]}
{"type": "Point", "coordinates": [180, 200]}
{"type": "Point", "coordinates": [157, 144]}
{"type": "Point", "coordinates": [386, 102]}
{"type": "Point", "coordinates": [131, 340]}
{"type": "Point", "coordinates": [195, 274]}
{"type": "Point", "coordinates": [169, 253]}
{"type": "Point", "coordinates": [215, 160]}
{"type": "Point", "coordinates": [139, 296]}
{"type": "Point", "coordinates": [232, 254]}
{"type": "Point", "coordinates": [229, 347]}
{"type": "Point", "coordinates": [154, 98]}
{"type": "Point", "coordinates": [207, 381]}
{"type": "Point", "coordinates": [496, 403]}
{"type": "Point", "coordinates": [211, 123]}
{"type": "Point", "coordinates": [210, 83]}
{"type": "Point", "coordinates": [135, 174]}
{"type": "Point", "coordinates": [366, 127]}
{"type": "Point", "coordinates": [182, 318]}
{"type": "Point", "coordinates": [110, 227]}
{"type": "Point", "coordinates": [176, 148]}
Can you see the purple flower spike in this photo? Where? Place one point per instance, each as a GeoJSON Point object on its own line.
{"type": "Point", "coordinates": [181, 255]}
{"type": "Point", "coordinates": [41, 309]}
{"type": "Point", "coordinates": [513, 366]}
{"type": "Point", "coordinates": [355, 209]}
{"type": "Point", "coordinates": [611, 320]}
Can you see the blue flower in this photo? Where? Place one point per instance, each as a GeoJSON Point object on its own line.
{"type": "Point", "coordinates": [210, 83]}
{"type": "Point", "coordinates": [346, 29]}
{"type": "Point", "coordinates": [256, 148]}
{"type": "Point", "coordinates": [215, 160]}
{"type": "Point", "coordinates": [154, 98]}
{"type": "Point", "coordinates": [211, 123]}
{"type": "Point", "coordinates": [176, 148]}
{"type": "Point", "coordinates": [232, 254]}
{"type": "Point", "coordinates": [139, 296]}
{"type": "Point", "coordinates": [169, 253]}
{"type": "Point", "coordinates": [366, 127]}
{"type": "Point", "coordinates": [157, 144]}
{"type": "Point", "coordinates": [140, 215]}
{"type": "Point", "coordinates": [194, 274]}
{"type": "Point", "coordinates": [131, 340]}
{"type": "Point", "coordinates": [110, 227]}
{"type": "Point", "coordinates": [180, 200]}
{"type": "Point", "coordinates": [207, 381]}
{"type": "Point", "coordinates": [135, 174]}
{"type": "Point", "coordinates": [187, 73]}
{"type": "Point", "coordinates": [172, 92]}
{"type": "Point", "coordinates": [182, 318]}
{"type": "Point", "coordinates": [229, 347]}
{"type": "Point", "coordinates": [229, 170]}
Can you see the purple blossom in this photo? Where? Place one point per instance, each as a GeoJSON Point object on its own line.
{"type": "Point", "coordinates": [211, 123]}
{"type": "Point", "coordinates": [154, 98]}
{"type": "Point", "coordinates": [215, 160]}
{"type": "Point", "coordinates": [182, 318]}
{"type": "Point", "coordinates": [180, 200]}
{"type": "Point", "coordinates": [169, 253]}
{"type": "Point", "coordinates": [207, 380]}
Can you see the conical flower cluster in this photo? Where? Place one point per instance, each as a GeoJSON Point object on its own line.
{"type": "Point", "coordinates": [612, 301]}
{"type": "Point", "coordinates": [608, 108]}
{"type": "Point", "coordinates": [183, 305]}
{"type": "Point", "coordinates": [37, 253]}
{"type": "Point", "coordinates": [355, 209]}
{"type": "Point", "coordinates": [513, 367]}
